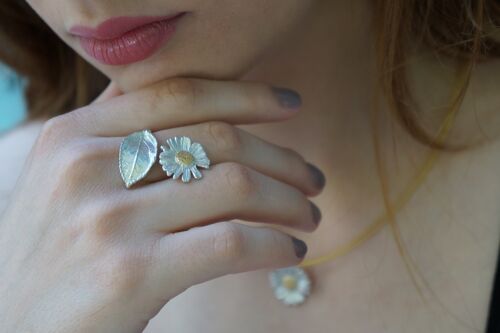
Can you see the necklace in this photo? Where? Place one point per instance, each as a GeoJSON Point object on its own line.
{"type": "Point", "coordinates": [292, 285]}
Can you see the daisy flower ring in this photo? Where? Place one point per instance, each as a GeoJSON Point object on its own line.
{"type": "Point", "coordinates": [182, 158]}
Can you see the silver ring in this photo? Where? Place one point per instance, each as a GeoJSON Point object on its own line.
{"type": "Point", "coordinates": [137, 155]}
{"type": "Point", "coordinates": [183, 157]}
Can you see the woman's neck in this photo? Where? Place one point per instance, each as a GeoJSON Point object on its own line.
{"type": "Point", "coordinates": [331, 61]}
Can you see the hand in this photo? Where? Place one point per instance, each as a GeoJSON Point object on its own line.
{"type": "Point", "coordinates": [81, 253]}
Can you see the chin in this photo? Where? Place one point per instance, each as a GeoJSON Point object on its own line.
{"type": "Point", "coordinates": [129, 78]}
{"type": "Point", "coordinates": [201, 56]}
{"type": "Point", "coordinates": [207, 43]}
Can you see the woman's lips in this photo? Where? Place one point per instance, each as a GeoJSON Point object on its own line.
{"type": "Point", "coordinates": [125, 40]}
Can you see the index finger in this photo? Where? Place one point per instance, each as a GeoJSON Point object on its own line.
{"type": "Point", "coordinates": [111, 91]}
{"type": "Point", "coordinates": [182, 101]}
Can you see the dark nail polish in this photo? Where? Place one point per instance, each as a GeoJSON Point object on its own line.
{"type": "Point", "coordinates": [300, 247]}
{"type": "Point", "coordinates": [316, 213]}
{"type": "Point", "coordinates": [287, 98]}
{"type": "Point", "coordinates": [318, 176]}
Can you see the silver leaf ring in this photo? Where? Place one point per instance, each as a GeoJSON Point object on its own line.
{"type": "Point", "coordinates": [137, 155]}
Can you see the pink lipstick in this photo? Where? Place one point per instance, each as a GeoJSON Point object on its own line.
{"type": "Point", "coordinates": [125, 40]}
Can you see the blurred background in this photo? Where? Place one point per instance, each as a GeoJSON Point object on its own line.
{"type": "Point", "coordinates": [12, 106]}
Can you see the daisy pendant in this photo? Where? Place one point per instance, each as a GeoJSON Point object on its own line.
{"type": "Point", "coordinates": [291, 285]}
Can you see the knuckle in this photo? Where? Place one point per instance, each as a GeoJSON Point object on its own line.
{"type": "Point", "coordinates": [229, 242]}
{"type": "Point", "coordinates": [52, 131]}
{"type": "Point", "coordinates": [76, 159]}
{"type": "Point", "coordinates": [183, 91]}
{"type": "Point", "coordinates": [152, 101]}
{"type": "Point", "coordinates": [56, 124]}
{"type": "Point", "coordinates": [71, 170]}
{"type": "Point", "coordinates": [105, 220]}
{"type": "Point", "coordinates": [240, 180]}
{"type": "Point", "coordinates": [180, 86]}
{"type": "Point", "coordinates": [84, 152]}
{"type": "Point", "coordinates": [122, 271]}
{"type": "Point", "coordinates": [225, 137]}
{"type": "Point", "coordinates": [68, 234]}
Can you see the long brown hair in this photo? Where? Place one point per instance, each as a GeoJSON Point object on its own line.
{"type": "Point", "coordinates": [57, 79]}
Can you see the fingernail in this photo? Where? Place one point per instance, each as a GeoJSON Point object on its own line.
{"type": "Point", "coordinates": [300, 247]}
{"type": "Point", "coordinates": [318, 176]}
{"type": "Point", "coordinates": [287, 98]}
{"type": "Point", "coordinates": [316, 213]}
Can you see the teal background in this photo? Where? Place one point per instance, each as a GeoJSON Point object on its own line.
{"type": "Point", "coordinates": [12, 106]}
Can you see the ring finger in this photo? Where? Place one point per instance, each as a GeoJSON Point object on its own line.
{"type": "Point", "coordinates": [231, 191]}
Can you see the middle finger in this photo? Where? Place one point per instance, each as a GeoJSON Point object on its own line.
{"type": "Point", "coordinates": [224, 142]}
{"type": "Point", "coordinates": [231, 191]}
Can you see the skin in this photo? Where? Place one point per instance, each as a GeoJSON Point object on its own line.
{"type": "Point", "coordinates": [204, 25]}
{"type": "Point", "coordinates": [450, 227]}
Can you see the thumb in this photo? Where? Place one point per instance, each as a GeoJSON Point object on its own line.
{"type": "Point", "coordinates": [111, 91]}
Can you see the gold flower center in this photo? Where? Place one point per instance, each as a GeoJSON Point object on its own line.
{"type": "Point", "coordinates": [289, 282]}
{"type": "Point", "coordinates": [184, 157]}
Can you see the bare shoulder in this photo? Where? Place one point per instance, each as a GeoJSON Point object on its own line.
{"type": "Point", "coordinates": [15, 145]}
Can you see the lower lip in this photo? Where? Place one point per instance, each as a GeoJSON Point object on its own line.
{"type": "Point", "coordinates": [136, 45]}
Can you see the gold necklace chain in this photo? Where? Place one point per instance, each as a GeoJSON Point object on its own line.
{"type": "Point", "coordinates": [292, 285]}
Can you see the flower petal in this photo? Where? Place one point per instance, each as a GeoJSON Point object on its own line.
{"type": "Point", "coordinates": [174, 144]}
{"type": "Point", "coordinates": [204, 163]}
{"type": "Point", "coordinates": [186, 175]}
{"type": "Point", "coordinates": [294, 298]}
{"type": "Point", "coordinates": [178, 172]}
{"type": "Point", "coordinates": [167, 152]}
{"type": "Point", "coordinates": [185, 143]}
{"type": "Point", "coordinates": [170, 168]}
{"type": "Point", "coordinates": [167, 158]}
{"type": "Point", "coordinates": [199, 155]}
{"type": "Point", "coordinates": [281, 292]}
{"type": "Point", "coordinates": [196, 173]}
{"type": "Point", "coordinates": [170, 162]}
{"type": "Point", "coordinates": [196, 148]}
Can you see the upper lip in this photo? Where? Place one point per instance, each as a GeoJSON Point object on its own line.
{"type": "Point", "coordinates": [118, 26]}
